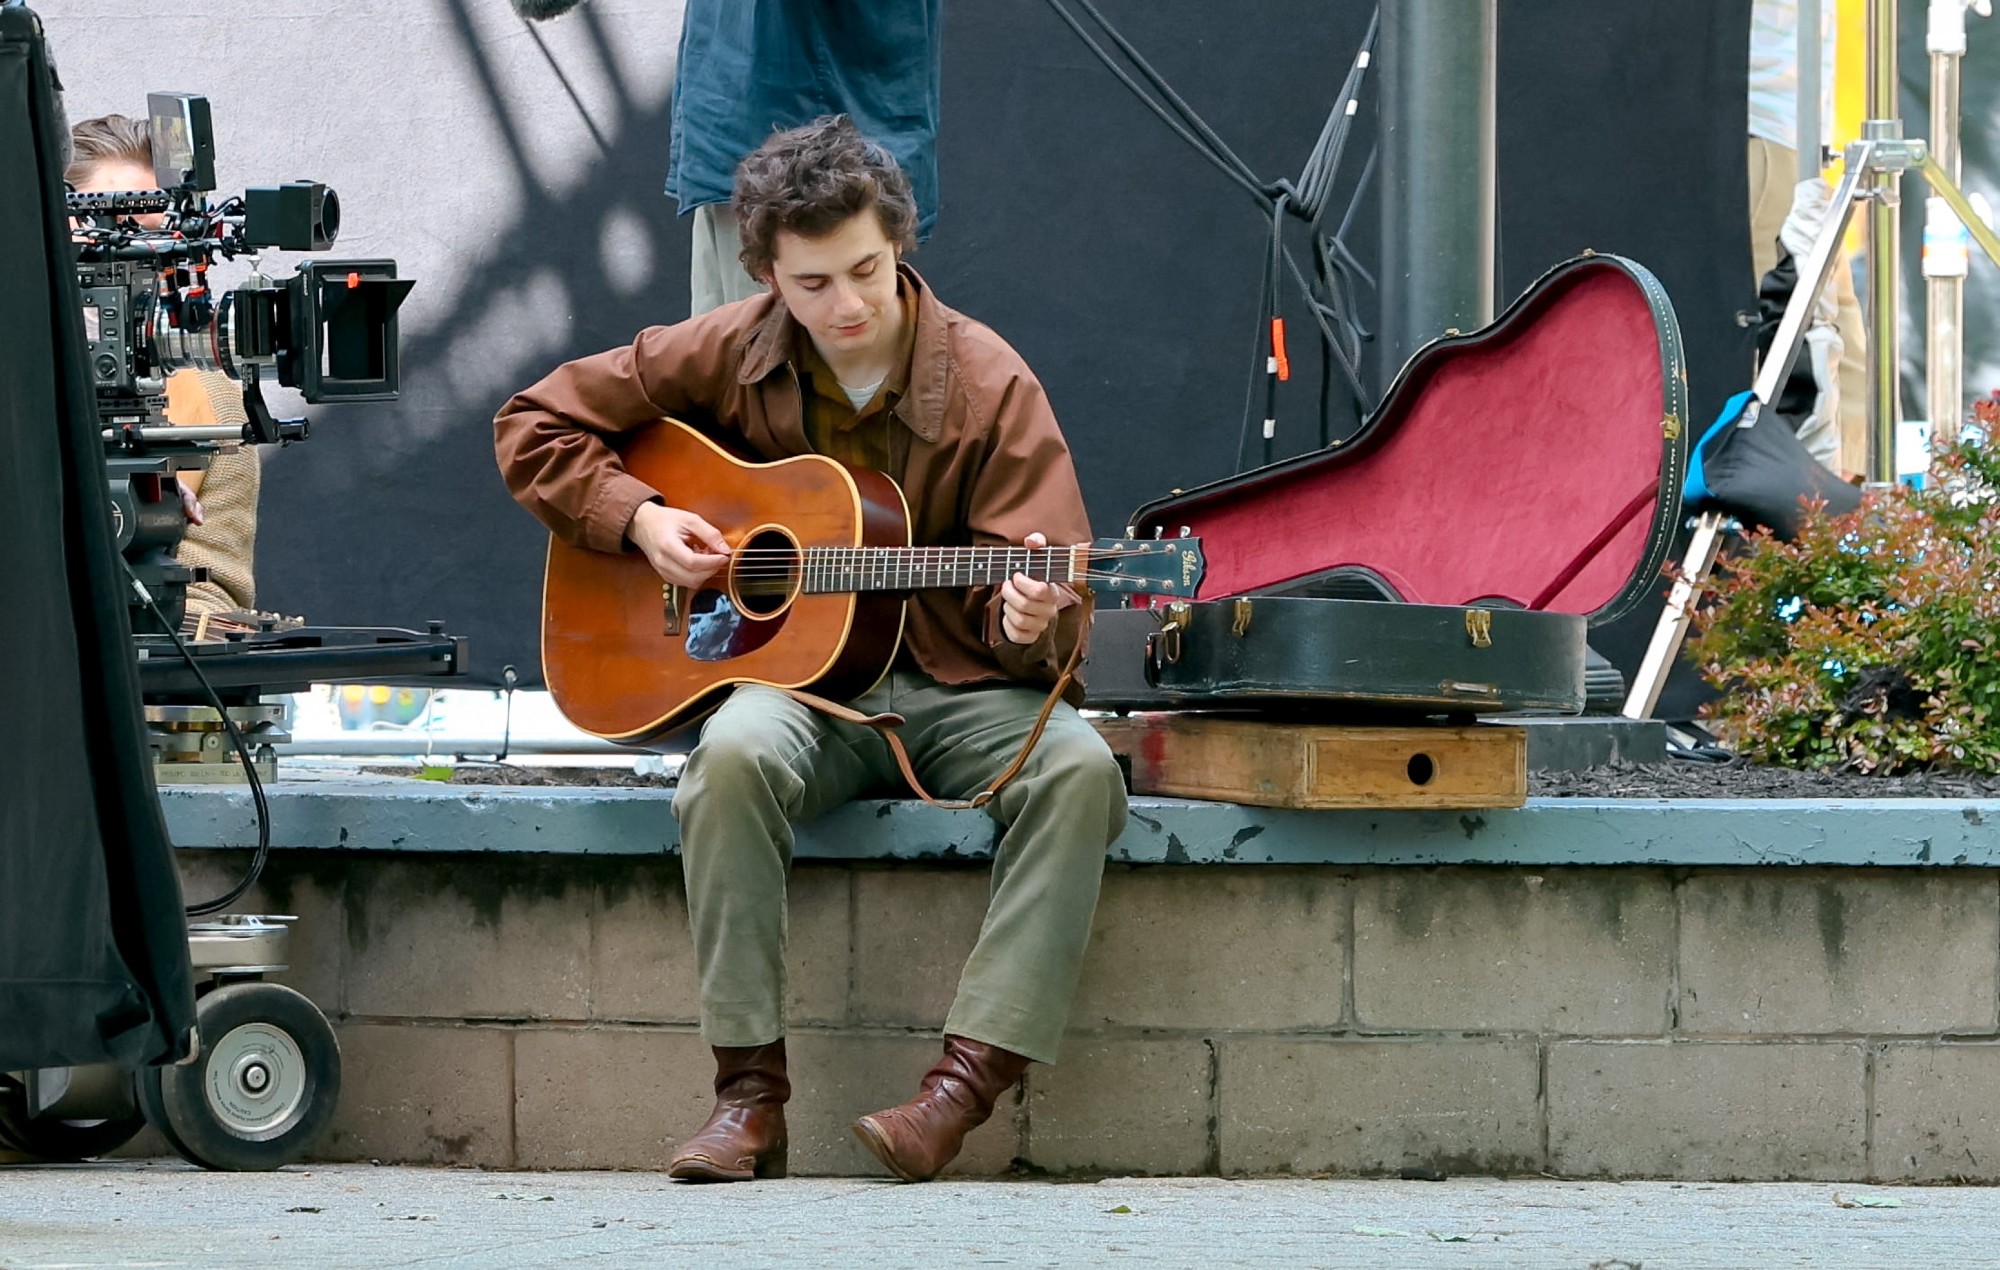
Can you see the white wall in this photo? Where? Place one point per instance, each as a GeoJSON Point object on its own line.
{"type": "Point", "coordinates": [433, 120]}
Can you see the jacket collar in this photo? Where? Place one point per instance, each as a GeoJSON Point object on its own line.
{"type": "Point", "coordinates": [921, 407]}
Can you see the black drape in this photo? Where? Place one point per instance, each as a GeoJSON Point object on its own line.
{"type": "Point", "coordinates": [93, 946]}
{"type": "Point", "coordinates": [1123, 267]}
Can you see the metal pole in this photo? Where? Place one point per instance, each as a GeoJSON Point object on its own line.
{"type": "Point", "coordinates": [1945, 247]}
{"type": "Point", "coordinates": [1884, 225]}
{"type": "Point", "coordinates": [1812, 51]}
{"type": "Point", "coordinates": [1437, 107]}
{"type": "Point", "coordinates": [1675, 619]}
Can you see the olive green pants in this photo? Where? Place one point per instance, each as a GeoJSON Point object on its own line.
{"type": "Point", "coordinates": [766, 763]}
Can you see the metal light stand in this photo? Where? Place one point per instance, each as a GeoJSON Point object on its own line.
{"type": "Point", "coordinates": [1946, 260]}
{"type": "Point", "coordinates": [1874, 167]}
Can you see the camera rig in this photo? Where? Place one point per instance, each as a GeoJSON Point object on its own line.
{"type": "Point", "coordinates": [149, 311]}
{"type": "Point", "coordinates": [143, 260]}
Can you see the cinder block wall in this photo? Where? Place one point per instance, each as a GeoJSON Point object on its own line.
{"type": "Point", "coordinates": [538, 1012]}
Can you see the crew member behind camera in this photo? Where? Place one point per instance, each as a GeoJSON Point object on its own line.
{"type": "Point", "coordinates": [113, 153]}
{"type": "Point", "coordinates": [851, 355]}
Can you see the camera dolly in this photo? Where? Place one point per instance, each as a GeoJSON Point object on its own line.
{"type": "Point", "coordinates": [257, 1094]}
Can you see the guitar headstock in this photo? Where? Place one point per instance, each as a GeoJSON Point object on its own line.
{"type": "Point", "coordinates": [1146, 566]}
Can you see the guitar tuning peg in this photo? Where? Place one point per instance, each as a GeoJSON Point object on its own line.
{"type": "Point", "coordinates": [1186, 532]}
{"type": "Point", "coordinates": [1131, 531]}
{"type": "Point", "coordinates": [1159, 531]}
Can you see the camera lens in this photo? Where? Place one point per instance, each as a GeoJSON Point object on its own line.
{"type": "Point", "coordinates": [329, 215]}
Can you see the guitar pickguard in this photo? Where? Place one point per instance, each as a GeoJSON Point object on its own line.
{"type": "Point", "coordinates": [717, 630]}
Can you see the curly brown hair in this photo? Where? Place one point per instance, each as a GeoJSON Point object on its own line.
{"type": "Point", "coordinates": [107, 139]}
{"type": "Point", "coordinates": [813, 179]}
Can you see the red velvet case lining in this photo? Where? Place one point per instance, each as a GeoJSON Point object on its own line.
{"type": "Point", "coordinates": [1492, 468]}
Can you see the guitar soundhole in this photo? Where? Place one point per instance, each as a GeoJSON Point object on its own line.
{"type": "Point", "coordinates": [761, 580]}
{"type": "Point", "coordinates": [765, 574]}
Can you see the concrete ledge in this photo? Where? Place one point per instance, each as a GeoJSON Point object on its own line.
{"type": "Point", "coordinates": [1609, 992]}
{"type": "Point", "coordinates": [536, 1011]}
{"type": "Point", "coordinates": [360, 813]}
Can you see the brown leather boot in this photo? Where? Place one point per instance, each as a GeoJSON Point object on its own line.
{"type": "Point", "coordinates": [745, 1134]}
{"type": "Point", "coordinates": [917, 1139]}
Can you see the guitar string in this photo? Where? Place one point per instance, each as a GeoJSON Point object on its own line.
{"type": "Point", "coordinates": [782, 586]}
{"type": "Point", "coordinates": [964, 575]}
{"type": "Point", "coordinates": [1095, 554]}
{"type": "Point", "coordinates": [899, 557]}
{"type": "Point", "coordinates": [776, 569]}
{"type": "Point", "coordinates": [890, 577]}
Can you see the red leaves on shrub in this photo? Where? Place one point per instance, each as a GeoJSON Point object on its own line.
{"type": "Point", "coordinates": [1864, 643]}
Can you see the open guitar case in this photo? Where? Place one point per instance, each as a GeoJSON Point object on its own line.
{"type": "Point", "coordinates": [1517, 486]}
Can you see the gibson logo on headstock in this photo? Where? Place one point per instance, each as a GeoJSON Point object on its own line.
{"type": "Point", "coordinates": [1189, 563]}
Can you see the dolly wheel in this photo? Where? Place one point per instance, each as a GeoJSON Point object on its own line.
{"type": "Point", "coordinates": [263, 1088]}
{"type": "Point", "coordinates": [59, 1140]}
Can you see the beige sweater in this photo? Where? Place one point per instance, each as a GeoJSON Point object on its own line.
{"type": "Point", "coordinates": [226, 540]}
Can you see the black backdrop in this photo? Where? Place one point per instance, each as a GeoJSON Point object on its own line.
{"type": "Point", "coordinates": [1123, 267]}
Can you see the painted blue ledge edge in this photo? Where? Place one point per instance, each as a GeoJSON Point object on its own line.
{"type": "Point", "coordinates": [392, 814]}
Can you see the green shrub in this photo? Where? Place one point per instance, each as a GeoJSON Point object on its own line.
{"type": "Point", "coordinates": [1872, 641]}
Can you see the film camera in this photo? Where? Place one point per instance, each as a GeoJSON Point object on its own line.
{"type": "Point", "coordinates": [329, 330]}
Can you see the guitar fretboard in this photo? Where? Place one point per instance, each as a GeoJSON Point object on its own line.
{"type": "Point", "coordinates": [922, 568]}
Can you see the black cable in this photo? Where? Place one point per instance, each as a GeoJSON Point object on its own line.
{"type": "Point", "coordinates": [508, 678]}
{"type": "Point", "coordinates": [1250, 380]}
{"type": "Point", "coordinates": [1712, 755]}
{"type": "Point", "coordinates": [263, 851]}
{"type": "Point", "coordinates": [1335, 267]}
{"type": "Point", "coordinates": [1349, 370]}
{"type": "Point", "coordinates": [1160, 85]}
{"type": "Point", "coordinates": [1248, 182]}
{"type": "Point", "coordinates": [1275, 368]}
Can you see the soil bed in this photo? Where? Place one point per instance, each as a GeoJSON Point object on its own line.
{"type": "Point", "coordinates": [1737, 779]}
{"type": "Point", "coordinates": [508, 774]}
{"type": "Point", "coordinates": [1623, 780]}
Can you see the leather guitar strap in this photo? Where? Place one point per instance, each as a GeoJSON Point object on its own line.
{"type": "Point", "coordinates": [886, 724]}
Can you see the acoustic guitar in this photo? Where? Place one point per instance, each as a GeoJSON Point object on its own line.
{"type": "Point", "coordinates": [812, 597]}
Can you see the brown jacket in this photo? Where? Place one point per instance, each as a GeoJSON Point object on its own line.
{"type": "Point", "coordinates": [986, 463]}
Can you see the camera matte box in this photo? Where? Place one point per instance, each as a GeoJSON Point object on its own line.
{"type": "Point", "coordinates": [1516, 485]}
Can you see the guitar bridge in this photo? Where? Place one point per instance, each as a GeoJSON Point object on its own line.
{"type": "Point", "coordinates": [673, 600]}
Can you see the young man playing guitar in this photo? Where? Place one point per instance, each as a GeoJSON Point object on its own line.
{"type": "Point", "coordinates": [850, 355]}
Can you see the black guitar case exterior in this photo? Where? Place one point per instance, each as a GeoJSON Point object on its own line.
{"type": "Point", "coordinates": [1516, 486]}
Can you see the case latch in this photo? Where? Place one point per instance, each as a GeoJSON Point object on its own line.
{"type": "Point", "coordinates": [1239, 621]}
{"type": "Point", "coordinates": [1479, 625]}
{"type": "Point", "coordinates": [1163, 647]}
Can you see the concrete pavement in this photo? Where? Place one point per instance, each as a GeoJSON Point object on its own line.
{"type": "Point", "coordinates": [167, 1214]}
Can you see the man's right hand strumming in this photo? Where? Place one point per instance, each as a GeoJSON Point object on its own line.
{"type": "Point", "coordinates": [683, 548]}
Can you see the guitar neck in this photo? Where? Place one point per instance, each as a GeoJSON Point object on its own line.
{"type": "Point", "coordinates": [829, 569]}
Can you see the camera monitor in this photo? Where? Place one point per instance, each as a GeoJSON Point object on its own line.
{"type": "Point", "coordinates": [183, 140]}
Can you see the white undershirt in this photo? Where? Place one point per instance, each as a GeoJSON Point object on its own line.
{"type": "Point", "coordinates": [862, 396]}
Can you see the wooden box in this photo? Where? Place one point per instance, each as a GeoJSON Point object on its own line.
{"type": "Point", "coordinates": [1271, 763]}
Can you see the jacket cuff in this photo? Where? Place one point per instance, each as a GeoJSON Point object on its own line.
{"type": "Point", "coordinates": [610, 512]}
{"type": "Point", "coordinates": [1041, 661]}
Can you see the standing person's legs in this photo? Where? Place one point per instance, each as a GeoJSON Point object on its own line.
{"type": "Point", "coordinates": [715, 265]}
{"type": "Point", "coordinates": [1773, 172]}
{"type": "Point", "coordinates": [1853, 375]}
{"type": "Point", "coordinates": [764, 762]}
{"type": "Point", "coordinates": [1060, 813]}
